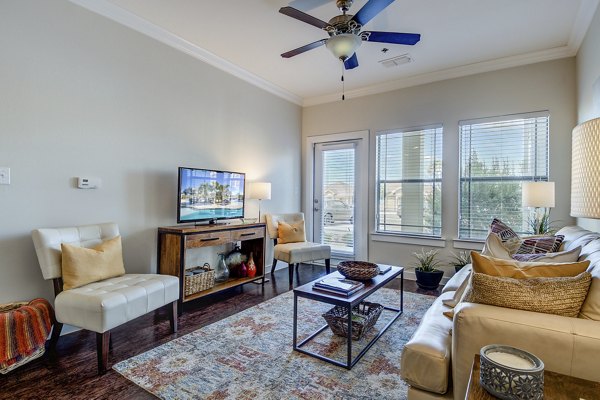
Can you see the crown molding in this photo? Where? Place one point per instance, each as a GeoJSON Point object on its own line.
{"type": "Point", "coordinates": [131, 20]}
{"type": "Point", "coordinates": [450, 73]}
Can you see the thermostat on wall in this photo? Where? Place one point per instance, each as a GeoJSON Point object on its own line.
{"type": "Point", "coordinates": [88, 183]}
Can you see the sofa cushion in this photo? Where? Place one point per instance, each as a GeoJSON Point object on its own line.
{"type": "Point", "coordinates": [518, 269]}
{"type": "Point", "coordinates": [426, 357]}
{"type": "Point", "coordinates": [538, 245]}
{"type": "Point", "coordinates": [502, 230]}
{"type": "Point", "coordinates": [561, 296]}
{"type": "Point", "coordinates": [577, 236]}
{"type": "Point", "coordinates": [457, 279]}
{"type": "Point", "coordinates": [103, 305]}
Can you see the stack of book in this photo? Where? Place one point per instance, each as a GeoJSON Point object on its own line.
{"type": "Point", "coordinates": [341, 286]}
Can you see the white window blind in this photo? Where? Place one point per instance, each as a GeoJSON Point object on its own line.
{"type": "Point", "coordinates": [409, 181]}
{"type": "Point", "coordinates": [496, 156]}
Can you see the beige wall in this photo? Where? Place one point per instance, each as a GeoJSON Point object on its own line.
{"type": "Point", "coordinates": [588, 88]}
{"type": "Point", "coordinates": [544, 86]}
{"type": "Point", "coordinates": [81, 95]}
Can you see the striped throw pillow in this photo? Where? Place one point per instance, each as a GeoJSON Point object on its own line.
{"type": "Point", "coordinates": [540, 245]}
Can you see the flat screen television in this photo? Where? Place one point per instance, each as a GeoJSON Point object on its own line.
{"type": "Point", "coordinates": [207, 195]}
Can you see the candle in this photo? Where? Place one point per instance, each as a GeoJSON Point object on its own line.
{"type": "Point", "coordinates": [510, 360]}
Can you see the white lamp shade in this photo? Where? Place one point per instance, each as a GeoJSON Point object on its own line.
{"type": "Point", "coordinates": [259, 190]}
{"type": "Point", "coordinates": [585, 170]}
{"type": "Point", "coordinates": [344, 45]}
{"type": "Point", "coordinates": [538, 194]}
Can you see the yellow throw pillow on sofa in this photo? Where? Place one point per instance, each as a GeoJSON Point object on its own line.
{"type": "Point", "coordinates": [81, 265]}
{"type": "Point", "coordinates": [291, 233]}
{"type": "Point", "coordinates": [520, 270]}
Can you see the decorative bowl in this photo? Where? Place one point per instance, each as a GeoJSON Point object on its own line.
{"type": "Point", "coordinates": [358, 270]}
{"type": "Point", "coordinates": [511, 374]}
{"type": "Point", "coordinates": [249, 220]}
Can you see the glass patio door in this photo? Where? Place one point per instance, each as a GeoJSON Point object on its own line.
{"type": "Point", "coordinates": [335, 185]}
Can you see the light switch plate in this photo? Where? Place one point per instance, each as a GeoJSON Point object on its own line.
{"type": "Point", "coordinates": [4, 176]}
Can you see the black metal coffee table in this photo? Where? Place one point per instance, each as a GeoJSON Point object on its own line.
{"type": "Point", "coordinates": [371, 286]}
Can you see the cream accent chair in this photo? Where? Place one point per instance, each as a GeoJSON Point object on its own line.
{"type": "Point", "coordinates": [295, 253]}
{"type": "Point", "coordinates": [104, 305]}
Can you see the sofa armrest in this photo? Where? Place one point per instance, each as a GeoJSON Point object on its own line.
{"type": "Point", "coordinates": [569, 346]}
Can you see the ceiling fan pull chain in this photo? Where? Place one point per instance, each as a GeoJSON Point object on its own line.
{"type": "Point", "coordinates": [343, 83]}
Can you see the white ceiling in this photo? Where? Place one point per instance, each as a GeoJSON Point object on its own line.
{"type": "Point", "coordinates": [458, 38]}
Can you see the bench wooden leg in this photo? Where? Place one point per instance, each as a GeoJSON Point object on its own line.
{"type": "Point", "coordinates": [173, 316]}
{"type": "Point", "coordinates": [328, 265]}
{"type": "Point", "coordinates": [102, 343]}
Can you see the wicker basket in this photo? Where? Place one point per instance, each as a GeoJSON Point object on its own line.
{"type": "Point", "coordinates": [364, 317]}
{"type": "Point", "coordinates": [201, 281]}
{"type": "Point", "coordinates": [358, 270]}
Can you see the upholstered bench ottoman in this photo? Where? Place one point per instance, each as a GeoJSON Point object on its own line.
{"type": "Point", "coordinates": [24, 328]}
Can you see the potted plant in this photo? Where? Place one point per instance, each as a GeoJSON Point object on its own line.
{"type": "Point", "coordinates": [428, 276]}
{"type": "Point", "coordinates": [460, 260]}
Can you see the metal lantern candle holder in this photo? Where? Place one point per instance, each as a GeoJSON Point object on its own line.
{"type": "Point", "coordinates": [511, 374]}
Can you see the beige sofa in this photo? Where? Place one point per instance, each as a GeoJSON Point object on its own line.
{"type": "Point", "coordinates": [437, 360]}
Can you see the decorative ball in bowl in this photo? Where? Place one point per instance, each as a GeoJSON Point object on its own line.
{"type": "Point", "coordinates": [358, 270]}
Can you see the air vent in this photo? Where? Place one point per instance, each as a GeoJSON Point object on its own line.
{"type": "Point", "coordinates": [396, 61]}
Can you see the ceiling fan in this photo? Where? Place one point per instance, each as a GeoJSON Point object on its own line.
{"type": "Point", "coordinates": [345, 35]}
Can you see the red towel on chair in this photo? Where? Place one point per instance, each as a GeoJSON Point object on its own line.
{"type": "Point", "coordinates": [23, 331]}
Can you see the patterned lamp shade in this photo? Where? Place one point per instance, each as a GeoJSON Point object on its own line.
{"type": "Point", "coordinates": [585, 170]}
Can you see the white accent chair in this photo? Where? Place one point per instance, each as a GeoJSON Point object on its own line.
{"type": "Point", "coordinates": [104, 305]}
{"type": "Point", "coordinates": [295, 253]}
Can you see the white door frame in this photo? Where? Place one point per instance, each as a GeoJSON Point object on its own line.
{"type": "Point", "coordinates": [361, 229]}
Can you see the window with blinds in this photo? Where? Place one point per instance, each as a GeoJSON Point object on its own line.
{"type": "Point", "coordinates": [409, 181]}
{"type": "Point", "coordinates": [496, 156]}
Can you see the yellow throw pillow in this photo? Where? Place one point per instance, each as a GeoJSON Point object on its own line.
{"type": "Point", "coordinates": [291, 233]}
{"type": "Point", "coordinates": [560, 296]}
{"type": "Point", "coordinates": [591, 305]}
{"type": "Point", "coordinates": [81, 265]}
{"type": "Point", "coordinates": [518, 269]}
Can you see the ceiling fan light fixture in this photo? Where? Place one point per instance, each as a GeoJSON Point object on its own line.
{"type": "Point", "coordinates": [343, 45]}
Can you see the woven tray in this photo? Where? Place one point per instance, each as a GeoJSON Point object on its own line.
{"type": "Point", "coordinates": [364, 317]}
{"type": "Point", "coordinates": [358, 270]}
{"type": "Point", "coordinates": [199, 282]}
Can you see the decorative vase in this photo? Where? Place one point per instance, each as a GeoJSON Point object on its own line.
{"type": "Point", "coordinates": [251, 267]}
{"type": "Point", "coordinates": [243, 270]}
{"type": "Point", "coordinates": [221, 270]}
{"type": "Point", "coordinates": [234, 260]}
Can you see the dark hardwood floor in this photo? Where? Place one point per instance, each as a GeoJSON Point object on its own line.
{"type": "Point", "coordinates": [73, 374]}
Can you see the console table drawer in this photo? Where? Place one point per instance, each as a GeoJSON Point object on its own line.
{"type": "Point", "coordinates": [249, 233]}
{"type": "Point", "coordinates": [207, 239]}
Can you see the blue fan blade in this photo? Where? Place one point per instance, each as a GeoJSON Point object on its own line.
{"type": "Point", "coordinates": [391, 37]}
{"type": "Point", "coordinates": [370, 10]}
{"type": "Point", "coordinates": [351, 62]}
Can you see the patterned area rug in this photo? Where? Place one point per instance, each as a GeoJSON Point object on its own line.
{"type": "Point", "coordinates": [249, 356]}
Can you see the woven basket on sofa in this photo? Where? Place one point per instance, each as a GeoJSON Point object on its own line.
{"type": "Point", "coordinates": [24, 328]}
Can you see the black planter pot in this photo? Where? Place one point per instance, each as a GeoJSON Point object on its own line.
{"type": "Point", "coordinates": [429, 280]}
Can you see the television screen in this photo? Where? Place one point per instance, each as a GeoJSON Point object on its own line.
{"type": "Point", "coordinates": [208, 195]}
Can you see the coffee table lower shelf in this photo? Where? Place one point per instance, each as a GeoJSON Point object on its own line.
{"type": "Point", "coordinates": [307, 292]}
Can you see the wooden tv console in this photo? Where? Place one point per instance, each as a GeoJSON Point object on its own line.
{"type": "Point", "coordinates": [174, 241]}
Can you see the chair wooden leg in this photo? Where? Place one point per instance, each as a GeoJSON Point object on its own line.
{"type": "Point", "coordinates": [55, 335]}
{"type": "Point", "coordinates": [273, 266]}
{"type": "Point", "coordinates": [291, 272]}
{"type": "Point", "coordinates": [173, 316]}
{"type": "Point", "coordinates": [328, 265]}
{"type": "Point", "coordinates": [102, 340]}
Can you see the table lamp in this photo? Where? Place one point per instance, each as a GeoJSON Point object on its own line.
{"type": "Point", "coordinates": [539, 195]}
{"type": "Point", "coordinates": [259, 191]}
